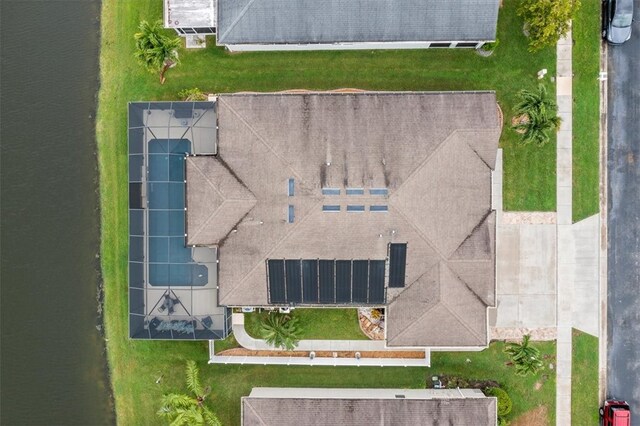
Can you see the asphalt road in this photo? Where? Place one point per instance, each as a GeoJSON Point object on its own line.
{"type": "Point", "coordinates": [623, 327]}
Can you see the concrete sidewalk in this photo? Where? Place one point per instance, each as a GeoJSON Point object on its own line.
{"type": "Point", "coordinates": [249, 342]}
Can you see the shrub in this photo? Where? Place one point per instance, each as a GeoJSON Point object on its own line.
{"type": "Point", "coordinates": [280, 331]}
{"type": "Point", "coordinates": [536, 116]}
{"type": "Point", "coordinates": [504, 400]}
{"type": "Point", "coordinates": [546, 20]}
{"type": "Point", "coordinates": [193, 95]}
{"type": "Point", "coordinates": [490, 47]}
{"type": "Point", "coordinates": [376, 314]}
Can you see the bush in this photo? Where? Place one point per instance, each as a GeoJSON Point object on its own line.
{"type": "Point", "coordinates": [490, 47]}
{"type": "Point", "coordinates": [192, 95]}
{"type": "Point", "coordinates": [546, 20]}
{"type": "Point", "coordinates": [504, 400]}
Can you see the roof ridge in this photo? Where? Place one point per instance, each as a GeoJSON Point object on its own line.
{"type": "Point", "coordinates": [211, 185]}
{"type": "Point", "coordinates": [437, 265]}
{"type": "Point", "coordinates": [248, 405]}
{"type": "Point", "coordinates": [475, 229]}
{"type": "Point", "coordinates": [237, 20]}
{"type": "Point", "coordinates": [453, 313]}
{"type": "Point", "coordinates": [488, 131]}
{"type": "Point", "coordinates": [261, 139]}
{"type": "Point", "coordinates": [406, 329]}
{"type": "Point", "coordinates": [193, 163]}
{"type": "Point", "coordinates": [419, 232]}
{"type": "Point", "coordinates": [275, 246]}
{"type": "Point", "coordinates": [426, 160]}
{"type": "Point", "coordinates": [463, 323]}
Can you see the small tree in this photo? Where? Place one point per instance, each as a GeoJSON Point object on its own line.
{"type": "Point", "coordinates": [187, 410]}
{"type": "Point", "coordinates": [280, 330]}
{"type": "Point", "coordinates": [536, 116]}
{"type": "Point", "coordinates": [525, 358]}
{"type": "Point", "coordinates": [155, 50]}
{"type": "Point", "coordinates": [547, 20]}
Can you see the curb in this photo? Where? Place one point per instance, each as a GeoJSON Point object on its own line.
{"type": "Point", "coordinates": [602, 341]}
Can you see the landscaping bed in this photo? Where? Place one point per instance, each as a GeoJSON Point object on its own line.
{"type": "Point", "coordinates": [326, 354]}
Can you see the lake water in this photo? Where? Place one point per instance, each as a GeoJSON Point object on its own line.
{"type": "Point", "coordinates": [53, 363]}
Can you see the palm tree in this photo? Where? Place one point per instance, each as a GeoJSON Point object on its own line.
{"type": "Point", "coordinates": [538, 116]}
{"type": "Point", "coordinates": [181, 409]}
{"type": "Point", "coordinates": [280, 331]}
{"type": "Point", "coordinates": [155, 50]}
{"type": "Point", "coordinates": [525, 358]}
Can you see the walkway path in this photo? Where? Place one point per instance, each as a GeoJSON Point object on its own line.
{"type": "Point", "coordinates": [249, 342]}
{"type": "Point", "coordinates": [564, 218]}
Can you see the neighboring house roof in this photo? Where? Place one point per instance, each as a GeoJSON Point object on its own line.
{"type": "Point", "coordinates": [364, 407]}
{"type": "Point", "coordinates": [432, 152]}
{"type": "Point", "coordinates": [353, 21]}
{"type": "Point", "coordinates": [189, 13]}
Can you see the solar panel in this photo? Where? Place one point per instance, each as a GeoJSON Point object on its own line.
{"type": "Point", "coordinates": [326, 269]}
{"type": "Point", "coordinates": [276, 281]}
{"type": "Point", "coordinates": [397, 264]}
{"type": "Point", "coordinates": [343, 281]}
{"type": "Point", "coordinates": [291, 187]}
{"type": "Point", "coordinates": [376, 281]}
{"type": "Point", "coordinates": [330, 191]}
{"type": "Point", "coordinates": [360, 281]}
{"type": "Point", "coordinates": [310, 281]}
{"type": "Point", "coordinates": [293, 279]}
{"type": "Point", "coordinates": [326, 282]}
{"type": "Point", "coordinates": [379, 191]}
{"type": "Point", "coordinates": [291, 215]}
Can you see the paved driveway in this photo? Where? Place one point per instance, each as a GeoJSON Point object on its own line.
{"type": "Point", "coordinates": [623, 351]}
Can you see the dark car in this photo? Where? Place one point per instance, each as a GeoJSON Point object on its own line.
{"type": "Point", "coordinates": [617, 16]}
{"type": "Point", "coordinates": [615, 413]}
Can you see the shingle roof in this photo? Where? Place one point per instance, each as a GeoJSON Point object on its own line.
{"type": "Point", "coordinates": [367, 412]}
{"type": "Point", "coordinates": [334, 21]}
{"type": "Point", "coordinates": [433, 152]}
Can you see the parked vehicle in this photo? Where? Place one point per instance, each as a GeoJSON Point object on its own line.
{"type": "Point", "coordinates": [617, 16]}
{"type": "Point", "coordinates": [615, 413]}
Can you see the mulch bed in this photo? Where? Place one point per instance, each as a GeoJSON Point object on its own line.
{"type": "Point", "coordinates": [451, 382]}
{"type": "Point", "coordinates": [325, 354]}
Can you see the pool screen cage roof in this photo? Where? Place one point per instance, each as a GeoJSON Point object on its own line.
{"type": "Point", "coordinates": [172, 287]}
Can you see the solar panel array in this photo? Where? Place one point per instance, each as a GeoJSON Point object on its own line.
{"type": "Point", "coordinates": [326, 281]}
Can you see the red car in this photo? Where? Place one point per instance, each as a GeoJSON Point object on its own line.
{"type": "Point", "coordinates": [615, 413]}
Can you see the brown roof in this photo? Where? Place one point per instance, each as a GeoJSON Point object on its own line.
{"type": "Point", "coordinates": [434, 152]}
{"type": "Point", "coordinates": [366, 412]}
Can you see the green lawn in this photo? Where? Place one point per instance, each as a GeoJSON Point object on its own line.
{"type": "Point", "coordinates": [135, 365]}
{"type": "Point", "coordinates": [339, 324]}
{"type": "Point", "coordinates": [584, 380]}
{"type": "Point", "coordinates": [586, 95]}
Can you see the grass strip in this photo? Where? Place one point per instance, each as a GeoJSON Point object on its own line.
{"type": "Point", "coordinates": [584, 379]}
{"type": "Point", "coordinates": [586, 110]}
